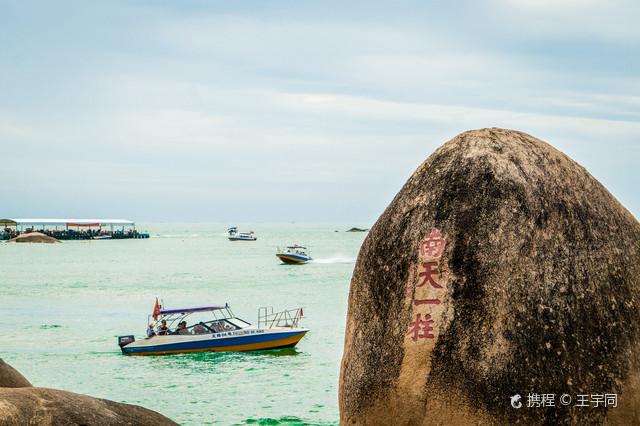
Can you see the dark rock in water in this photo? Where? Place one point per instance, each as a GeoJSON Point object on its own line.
{"type": "Point", "coordinates": [33, 237]}
{"type": "Point", "coordinates": [502, 267]}
{"type": "Point", "coordinates": [357, 230]}
{"type": "Point", "coordinates": [11, 378]}
{"type": "Point", "coordinates": [41, 406]}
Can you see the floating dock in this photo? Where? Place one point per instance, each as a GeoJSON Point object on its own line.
{"type": "Point", "coordinates": [72, 229]}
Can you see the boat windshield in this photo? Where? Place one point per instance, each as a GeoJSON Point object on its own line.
{"type": "Point", "coordinates": [191, 321]}
{"type": "Point", "coordinates": [295, 246]}
{"type": "Point", "coordinates": [292, 249]}
{"type": "Point", "coordinates": [239, 323]}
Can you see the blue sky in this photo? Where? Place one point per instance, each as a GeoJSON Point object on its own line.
{"type": "Point", "coordinates": [297, 111]}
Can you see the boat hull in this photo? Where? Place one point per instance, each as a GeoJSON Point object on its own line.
{"type": "Point", "coordinates": [242, 239]}
{"type": "Point", "coordinates": [165, 345]}
{"type": "Point", "coordinates": [292, 259]}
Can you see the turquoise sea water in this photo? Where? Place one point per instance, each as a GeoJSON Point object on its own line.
{"type": "Point", "coordinates": [64, 304]}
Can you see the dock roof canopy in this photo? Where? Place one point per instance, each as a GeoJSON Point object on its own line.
{"type": "Point", "coordinates": [66, 222]}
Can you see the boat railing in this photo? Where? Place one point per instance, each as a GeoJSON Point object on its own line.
{"type": "Point", "coordinates": [267, 318]}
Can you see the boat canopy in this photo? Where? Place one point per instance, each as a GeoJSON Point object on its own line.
{"type": "Point", "coordinates": [191, 310]}
{"type": "Point", "coordinates": [295, 246]}
{"type": "Point", "coordinates": [66, 222]}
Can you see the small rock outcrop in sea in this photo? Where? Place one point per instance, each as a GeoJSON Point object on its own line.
{"type": "Point", "coordinates": [502, 271]}
{"type": "Point", "coordinates": [22, 404]}
{"type": "Point", "coordinates": [354, 229]}
{"type": "Point", "coordinates": [33, 237]}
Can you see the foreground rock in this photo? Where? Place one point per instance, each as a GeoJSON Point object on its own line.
{"type": "Point", "coordinates": [41, 406]}
{"type": "Point", "coordinates": [33, 237]}
{"type": "Point", "coordinates": [26, 405]}
{"type": "Point", "coordinates": [502, 267]}
{"type": "Point", "coordinates": [11, 378]}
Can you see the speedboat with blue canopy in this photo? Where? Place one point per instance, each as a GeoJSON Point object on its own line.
{"type": "Point", "coordinates": [220, 331]}
{"type": "Point", "coordinates": [293, 254]}
{"type": "Point", "coordinates": [235, 235]}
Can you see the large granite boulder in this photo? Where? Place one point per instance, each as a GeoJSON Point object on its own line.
{"type": "Point", "coordinates": [502, 275]}
{"type": "Point", "coordinates": [21, 404]}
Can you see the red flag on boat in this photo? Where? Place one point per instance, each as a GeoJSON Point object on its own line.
{"type": "Point", "coordinates": [301, 313]}
{"type": "Point", "coordinates": [156, 310]}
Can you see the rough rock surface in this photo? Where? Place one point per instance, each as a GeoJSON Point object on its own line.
{"type": "Point", "coordinates": [11, 378]}
{"type": "Point", "coordinates": [41, 406]}
{"type": "Point", "coordinates": [502, 267]}
{"type": "Point", "coordinates": [33, 237]}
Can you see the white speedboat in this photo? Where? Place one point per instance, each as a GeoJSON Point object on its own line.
{"type": "Point", "coordinates": [293, 254]}
{"type": "Point", "coordinates": [103, 237]}
{"type": "Point", "coordinates": [235, 235]}
{"type": "Point", "coordinates": [224, 332]}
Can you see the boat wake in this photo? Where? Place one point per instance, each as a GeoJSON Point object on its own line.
{"type": "Point", "coordinates": [335, 259]}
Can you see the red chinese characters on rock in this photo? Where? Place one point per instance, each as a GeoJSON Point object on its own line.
{"type": "Point", "coordinates": [430, 269]}
{"type": "Point", "coordinates": [428, 283]}
{"type": "Point", "coordinates": [426, 302]}
{"type": "Point", "coordinates": [421, 328]}
{"type": "Point", "coordinates": [433, 245]}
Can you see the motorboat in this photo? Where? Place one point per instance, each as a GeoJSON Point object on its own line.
{"type": "Point", "coordinates": [293, 254]}
{"type": "Point", "coordinates": [235, 235]}
{"type": "Point", "coordinates": [169, 333]}
{"type": "Point", "coordinates": [103, 237]}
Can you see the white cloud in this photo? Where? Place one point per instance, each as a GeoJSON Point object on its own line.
{"type": "Point", "coordinates": [449, 115]}
{"type": "Point", "coordinates": [606, 20]}
{"type": "Point", "coordinates": [13, 131]}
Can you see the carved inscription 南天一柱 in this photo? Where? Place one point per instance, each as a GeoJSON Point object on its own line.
{"type": "Point", "coordinates": [427, 286]}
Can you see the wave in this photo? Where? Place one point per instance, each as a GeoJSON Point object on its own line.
{"type": "Point", "coordinates": [183, 236]}
{"type": "Point", "coordinates": [335, 259]}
